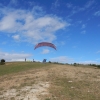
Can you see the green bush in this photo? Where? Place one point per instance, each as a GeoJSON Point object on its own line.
{"type": "Point", "coordinates": [98, 66]}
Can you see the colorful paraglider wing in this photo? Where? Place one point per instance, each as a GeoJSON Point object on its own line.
{"type": "Point", "coordinates": [45, 44]}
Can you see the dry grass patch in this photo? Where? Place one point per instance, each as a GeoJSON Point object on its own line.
{"type": "Point", "coordinates": [64, 89]}
{"type": "Point", "coordinates": [71, 83]}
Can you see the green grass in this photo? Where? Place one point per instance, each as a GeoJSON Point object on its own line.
{"type": "Point", "coordinates": [75, 90]}
{"type": "Point", "coordinates": [15, 67]}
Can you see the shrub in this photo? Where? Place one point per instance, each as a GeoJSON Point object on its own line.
{"type": "Point", "coordinates": [49, 61]}
{"type": "Point", "coordinates": [2, 61]}
{"type": "Point", "coordinates": [75, 64]}
{"type": "Point", "coordinates": [98, 66]}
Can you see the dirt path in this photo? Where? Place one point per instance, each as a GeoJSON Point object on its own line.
{"type": "Point", "coordinates": [35, 84]}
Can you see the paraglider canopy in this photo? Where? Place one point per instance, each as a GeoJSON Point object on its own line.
{"type": "Point", "coordinates": [45, 44]}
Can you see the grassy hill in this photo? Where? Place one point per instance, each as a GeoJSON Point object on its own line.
{"type": "Point", "coordinates": [39, 81]}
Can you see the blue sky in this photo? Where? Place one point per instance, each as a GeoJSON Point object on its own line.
{"type": "Point", "coordinates": [72, 25]}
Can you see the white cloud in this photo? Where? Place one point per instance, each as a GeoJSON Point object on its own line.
{"type": "Point", "coordinates": [77, 9]}
{"type": "Point", "coordinates": [79, 22]}
{"type": "Point", "coordinates": [31, 3]}
{"type": "Point", "coordinates": [45, 51]}
{"type": "Point", "coordinates": [69, 5]}
{"type": "Point", "coordinates": [99, 25]}
{"type": "Point", "coordinates": [74, 46]}
{"type": "Point", "coordinates": [30, 25]}
{"type": "Point", "coordinates": [97, 13]}
{"type": "Point", "coordinates": [98, 51]}
{"type": "Point", "coordinates": [89, 3]}
{"type": "Point", "coordinates": [63, 42]}
{"type": "Point", "coordinates": [13, 2]}
{"type": "Point", "coordinates": [56, 4]}
{"type": "Point", "coordinates": [83, 32]}
{"type": "Point", "coordinates": [14, 56]}
{"type": "Point", "coordinates": [83, 26]}
{"type": "Point", "coordinates": [88, 62]}
{"type": "Point", "coordinates": [98, 59]}
{"type": "Point", "coordinates": [3, 43]}
{"type": "Point", "coordinates": [62, 59]}
{"type": "Point", "coordinates": [16, 37]}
